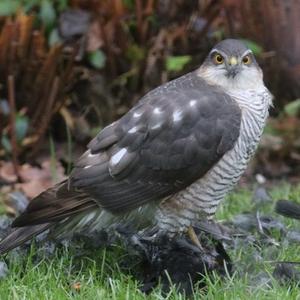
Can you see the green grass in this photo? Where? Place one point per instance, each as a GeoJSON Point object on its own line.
{"type": "Point", "coordinates": [100, 277]}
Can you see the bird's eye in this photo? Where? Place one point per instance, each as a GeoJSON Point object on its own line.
{"type": "Point", "coordinates": [247, 60]}
{"type": "Point", "coordinates": [218, 59]}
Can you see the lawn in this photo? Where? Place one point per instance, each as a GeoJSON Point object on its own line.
{"type": "Point", "coordinates": [69, 274]}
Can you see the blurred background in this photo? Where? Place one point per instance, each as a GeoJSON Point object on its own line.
{"type": "Point", "coordinates": [68, 68]}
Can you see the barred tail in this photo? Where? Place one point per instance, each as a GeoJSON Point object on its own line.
{"type": "Point", "coordinates": [20, 235]}
{"type": "Point", "coordinates": [49, 208]}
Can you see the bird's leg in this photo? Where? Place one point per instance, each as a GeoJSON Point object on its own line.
{"type": "Point", "coordinates": [194, 238]}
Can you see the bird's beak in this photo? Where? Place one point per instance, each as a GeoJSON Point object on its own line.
{"type": "Point", "coordinates": [233, 61]}
{"type": "Point", "coordinates": [233, 67]}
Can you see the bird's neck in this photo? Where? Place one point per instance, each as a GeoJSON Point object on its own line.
{"type": "Point", "coordinates": [252, 100]}
{"type": "Point", "coordinates": [249, 91]}
{"type": "Point", "coordinates": [244, 81]}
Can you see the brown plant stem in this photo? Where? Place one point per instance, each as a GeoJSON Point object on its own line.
{"type": "Point", "coordinates": [13, 137]}
{"type": "Point", "coordinates": [46, 119]}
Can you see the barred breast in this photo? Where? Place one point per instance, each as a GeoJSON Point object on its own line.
{"type": "Point", "coordinates": [203, 196]}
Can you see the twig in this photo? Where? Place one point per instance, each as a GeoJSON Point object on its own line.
{"type": "Point", "coordinates": [109, 51]}
{"type": "Point", "coordinates": [13, 137]}
{"type": "Point", "coordinates": [43, 84]}
{"type": "Point", "coordinates": [46, 119]}
{"type": "Point", "coordinates": [139, 16]}
{"type": "Point", "coordinates": [212, 12]}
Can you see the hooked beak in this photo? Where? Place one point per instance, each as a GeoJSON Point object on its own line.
{"type": "Point", "coordinates": [232, 61]}
{"type": "Point", "coordinates": [233, 67]}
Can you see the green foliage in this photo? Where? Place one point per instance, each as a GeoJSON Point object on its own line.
{"type": "Point", "coordinates": [95, 130]}
{"type": "Point", "coordinates": [129, 3]}
{"type": "Point", "coordinates": [2, 207]}
{"type": "Point", "coordinates": [46, 7]}
{"type": "Point", "coordinates": [293, 108]}
{"type": "Point", "coordinates": [54, 37]}
{"type": "Point", "coordinates": [256, 49]}
{"type": "Point", "coordinates": [97, 59]}
{"type": "Point", "coordinates": [8, 7]}
{"type": "Point", "coordinates": [28, 5]}
{"type": "Point", "coordinates": [135, 53]}
{"type": "Point", "coordinates": [269, 129]}
{"type": "Point", "coordinates": [177, 63]}
{"type": "Point", "coordinates": [47, 14]}
{"type": "Point", "coordinates": [234, 205]}
{"type": "Point", "coordinates": [5, 142]}
{"type": "Point", "coordinates": [62, 4]}
{"type": "Point", "coordinates": [22, 124]}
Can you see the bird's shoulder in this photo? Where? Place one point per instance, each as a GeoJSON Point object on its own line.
{"type": "Point", "coordinates": [181, 108]}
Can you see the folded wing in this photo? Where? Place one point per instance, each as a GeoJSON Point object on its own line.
{"type": "Point", "coordinates": [171, 138]}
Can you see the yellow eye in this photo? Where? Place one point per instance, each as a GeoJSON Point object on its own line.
{"type": "Point", "coordinates": [247, 60]}
{"type": "Point", "coordinates": [218, 59]}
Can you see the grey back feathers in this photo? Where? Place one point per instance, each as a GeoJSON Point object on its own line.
{"type": "Point", "coordinates": [172, 137]}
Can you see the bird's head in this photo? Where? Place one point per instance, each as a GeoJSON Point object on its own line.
{"type": "Point", "coordinates": [231, 64]}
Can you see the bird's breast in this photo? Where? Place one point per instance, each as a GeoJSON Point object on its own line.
{"type": "Point", "coordinates": [203, 196]}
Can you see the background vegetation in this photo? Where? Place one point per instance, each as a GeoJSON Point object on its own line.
{"type": "Point", "coordinates": [68, 68]}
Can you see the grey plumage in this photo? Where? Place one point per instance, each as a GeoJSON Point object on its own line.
{"type": "Point", "coordinates": [160, 156]}
{"type": "Point", "coordinates": [173, 156]}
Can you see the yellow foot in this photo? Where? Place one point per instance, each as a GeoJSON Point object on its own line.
{"type": "Point", "coordinates": [192, 235]}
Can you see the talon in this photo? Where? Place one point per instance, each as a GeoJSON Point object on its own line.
{"type": "Point", "coordinates": [194, 238]}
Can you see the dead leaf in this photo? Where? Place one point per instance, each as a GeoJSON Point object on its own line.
{"type": "Point", "coordinates": [36, 180]}
{"type": "Point", "coordinates": [7, 172]}
{"type": "Point", "coordinates": [94, 37]}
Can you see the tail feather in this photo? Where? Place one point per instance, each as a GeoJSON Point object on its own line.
{"type": "Point", "coordinates": [288, 209]}
{"type": "Point", "coordinates": [54, 205]}
{"type": "Point", "coordinates": [20, 235]}
{"type": "Point", "coordinates": [50, 207]}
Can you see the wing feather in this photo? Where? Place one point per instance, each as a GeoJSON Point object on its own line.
{"type": "Point", "coordinates": [171, 138]}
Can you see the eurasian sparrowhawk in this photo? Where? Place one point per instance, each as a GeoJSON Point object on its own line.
{"type": "Point", "coordinates": [167, 162]}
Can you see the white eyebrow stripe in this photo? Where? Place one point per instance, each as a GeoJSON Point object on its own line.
{"type": "Point", "coordinates": [249, 51]}
{"type": "Point", "coordinates": [218, 51]}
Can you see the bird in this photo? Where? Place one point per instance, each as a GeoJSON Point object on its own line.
{"type": "Point", "coordinates": [166, 163]}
